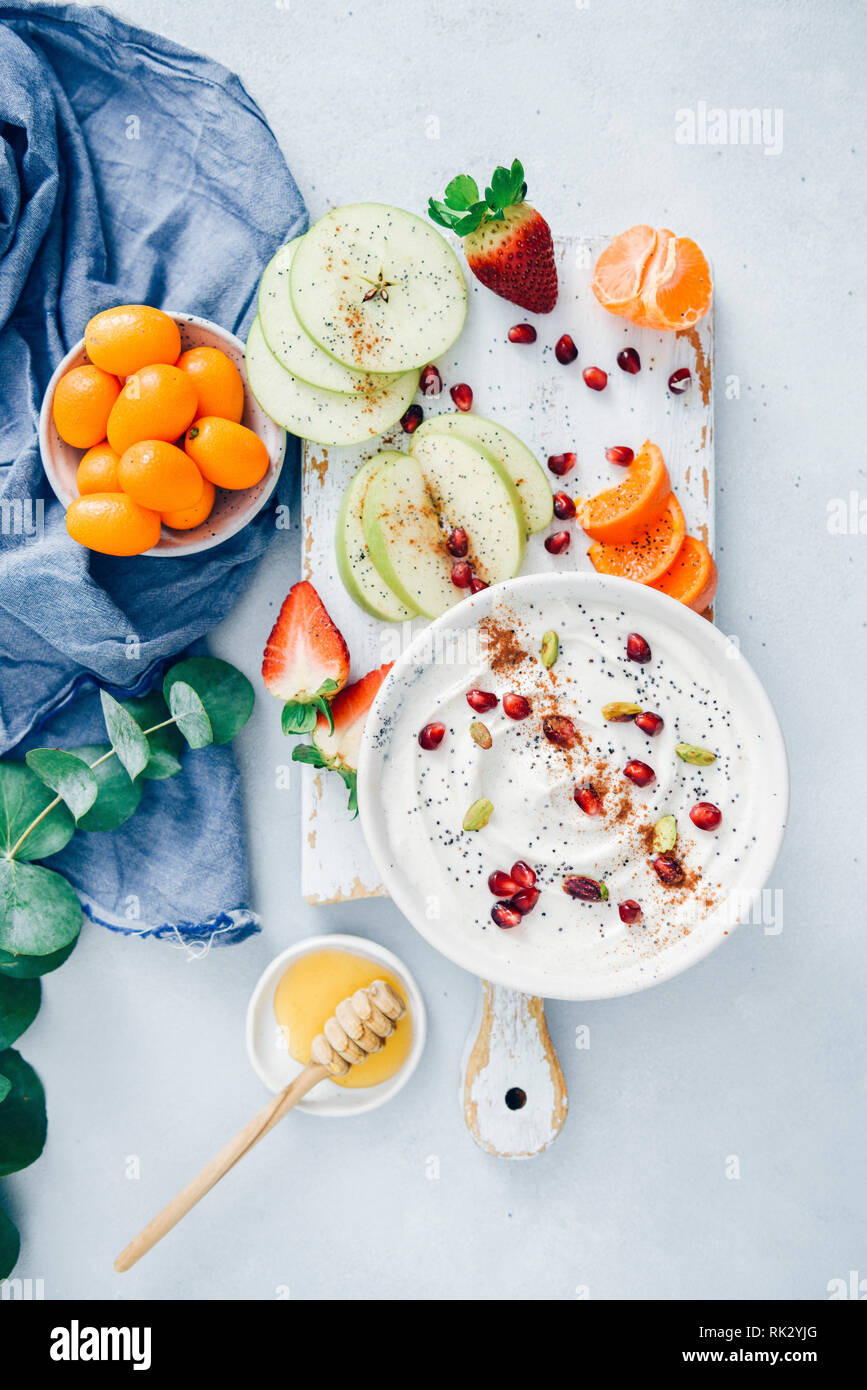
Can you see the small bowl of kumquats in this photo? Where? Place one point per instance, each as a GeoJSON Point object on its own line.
{"type": "Point", "coordinates": [151, 438]}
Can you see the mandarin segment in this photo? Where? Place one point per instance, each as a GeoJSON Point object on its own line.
{"type": "Point", "coordinates": [649, 552]}
{"type": "Point", "coordinates": [97, 471]}
{"type": "Point", "coordinates": [219, 385]}
{"type": "Point", "coordinates": [160, 476]}
{"type": "Point", "coordinates": [613, 515]}
{"type": "Point", "coordinates": [112, 523]}
{"type": "Point", "coordinates": [680, 294]}
{"type": "Point", "coordinates": [83, 400]}
{"type": "Point", "coordinates": [157, 402]}
{"type": "Point", "coordinates": [655, 279]}
{"type": "Point", "coordinates": [188, 518]}
{"type": "Point", "coordinates": [132, 336]}
{"type": "Point", "coordinates": [229, 455]}
{"type": "Point", "coordinates": [620, 268]}
{"type": "Point", "coordinates": [692, 579]}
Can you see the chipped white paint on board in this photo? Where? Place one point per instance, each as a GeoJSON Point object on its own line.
{"type": "Point", "coordinates": [550, 408]}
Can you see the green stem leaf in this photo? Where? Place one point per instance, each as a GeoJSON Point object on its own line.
{"type": "Point", "coordinates": [19, 1005]}
{"type": "Point", "coordinates": [127, 739]}
{"type": "Point", "coordinates": [65, 774]}
{"type": "Point", "coordinates": [23, 1122]}
{"type": "Point", "coordinates": [191, 715]}
{"type": "Point", "coordinates": [39, 911]}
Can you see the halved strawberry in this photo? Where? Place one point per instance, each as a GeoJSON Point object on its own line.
{"type": "Point", "coordinates": [306, 661]}
{"type": "Point", "coordinates": [337, 747]}
{"type": "Point", "coordinates": [508, 244]}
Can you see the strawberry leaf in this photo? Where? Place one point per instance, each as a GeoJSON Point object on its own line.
{"type": "Point", "coordinates": [473, 218]}
{"type": "Point", "coordinates": [306, 753]}
{"type": "Point", "coordinates": [462, 192]}
{"type": "Point", "coordinates": [443, 216]}
{"type": "Point", "coordinates": [324, 706]}
{"type": "Point", "coordinates": [350, 778]}
{"type": "Point", "coordinates": [298, 718]}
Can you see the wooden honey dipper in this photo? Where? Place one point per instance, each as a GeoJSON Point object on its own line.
{"type": "Point", "coordinates": [359, 1026]}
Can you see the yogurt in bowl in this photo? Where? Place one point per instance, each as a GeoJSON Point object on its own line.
{"type": "Point", "coordinates": [414, 801]}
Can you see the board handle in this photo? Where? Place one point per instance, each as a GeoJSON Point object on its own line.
{"type": "Point", "coordinates": [513, 1091]}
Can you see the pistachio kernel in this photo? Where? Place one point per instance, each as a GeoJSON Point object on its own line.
{"type": "Point", "coordinates": [620, 711]}
{"type": "Point", "coordinates": [699, 757]}
{"type": "Point", "coordinates": [664, 835]}
{"type": "Point", "coordinates": [480, 734]}
{"type": "Point", "coordinates": [550, 648]}
{"type": "Point", "coordinates": [479, 814]}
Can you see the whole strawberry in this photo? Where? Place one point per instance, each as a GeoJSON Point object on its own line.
{"type": "Point", "coordinates": [507, 243]}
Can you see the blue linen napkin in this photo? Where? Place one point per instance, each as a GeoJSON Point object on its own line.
{"type": "Point", "coordinates": [131, 171]}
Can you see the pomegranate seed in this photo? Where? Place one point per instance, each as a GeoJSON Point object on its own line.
{"type": "Point", "coordinates": [431, 736]}
{"type": "Point", "coordinates": [556, 544]}
{"type": "Point", "coordinates": [650, 724]}
{"type": "Point", "coordinates": [630, 911]}
{"type": "Point", "coordinates": [620, 453]}
{"type": "Point", "coordinates": [410, 422]}
{"type": "Point", "coordinates": [516, 706]}
{"type": "Point", "coordinates": [523, 874]}
{"type": "Point", "coordinates": [522, 333]}
{"type": "Point", "coordinates": [524, 901]}
{"type": "Point", "coordinates": [458, 543]}
{"type": "Point", "coordinates": [462, 574]}
{"type": "Point", "coordinates": [668, 871]}
{"type": "Point", "coordinates": [586, 798]}
{"type": "Point", "coordinates": [501, 885]}
{"type": "Point", "coordinates": [705, 815]}
{"type": "Point", "coordinates": [629, 361]}
{"type": "Point", "coordinates": [639, 773]}
{"type": "Point", "coordinates": [565, 350]}
{"type": "Point", "coordinates": [559, 730]}
{"type": "Point", "coordinates": [564, 507]}
{"type": "Point", "coordinates": [481, 700]}
{"type": "Point", "coordinates": [595, 378]}
{"type": "Point", "coordinates": [462, 395]}
{"type": "Point", "coordinates": [506, 916]}
{"type": "Point", "coordinates": [587, 889]}
{"type": "Point", "coordinates": [477, 585]}
{"type": "Point", "coordinates": [430, 382]}
{"type": "Point", "coordinates": [680, 381]}
{"type": "Point", "coordinates": [638, 648]}
{"type": "Point", "coordinates": [561, 463]}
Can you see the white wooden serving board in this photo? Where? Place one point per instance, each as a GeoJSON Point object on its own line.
{"type": "Point", "coordinates": [550, 408]}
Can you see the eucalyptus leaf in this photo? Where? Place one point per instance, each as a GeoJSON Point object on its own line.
{"type": "Point", "coordinates": [39, 911]}
{"type": "Point", "coordinates": [5, 1088]}
{"type": "Point", "coordinates": [116, 798]}
{"type": "Point", "coordinates": [65, 774]}
{"type": "Point", "coordinates": [30, 967]}
{"type": "Point", "coordinates": [127, 739]}
{"type": "Point", "coordinates": [22, 1116]}
{"type": "Point", "coordinates": [191, 716]}
{"type": "Point", "coordinates": [22, 798]}
{"type": "Point", "coordinates": [227, 695]}
{"type": "Point", "coordinates": [166, 745]}
{"type": "Point", "coordinates": [297, 718]}
{"type": "Point", "coordinates": [10, 1245]}
{"type": "Point", "coordinates": [19, 1005]}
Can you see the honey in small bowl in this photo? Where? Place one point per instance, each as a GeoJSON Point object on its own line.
{"type": "Point", "coordinates": [310, 990]}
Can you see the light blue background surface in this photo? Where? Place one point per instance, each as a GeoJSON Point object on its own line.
{"type": "Point", "coordinates": [757, 1053]}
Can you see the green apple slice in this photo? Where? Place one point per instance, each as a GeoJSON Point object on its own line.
{"type": "Point", "coordinates": [469, 490]}
{"type": "Point", "coordinates": [361, 578]}
{"type": "Point", "coordinates": [324, 417]}
{"type": "Point", "coordinates": [509, 451]}
{"type": "Point", "coordinates": [291, 345]}
{"type": "Point", "coordinates": [404, 538]}
{"type": "Point", "coordinates": [377, 288]}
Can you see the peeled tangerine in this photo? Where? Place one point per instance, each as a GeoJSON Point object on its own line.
{"type": "Point", "coordinates": [160, 476]}
{"type": "Point", "coordinates": [692, 579]}
{"type": "Point", "coordinates": [112, 523]}
{"type": "Point", "coordinates": [649, 552]}
{"type": "Point", "coordinates": [653, 278]}
{"type": "Point", "coordinates": [228, 454]}
{"type": "Point", "coordinates": [83, 401]}
{"type": "Point", "coordinates": [133, 336]}
{"type": "Point", "coordinates": [158, 402]}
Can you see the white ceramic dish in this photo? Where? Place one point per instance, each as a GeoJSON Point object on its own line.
{"type": "Point", "coordinates": [541, 957]}
{"type": "Point", "coordinates": [232, 510]}
{"type": "Point", "coordinates": [266, 1045]}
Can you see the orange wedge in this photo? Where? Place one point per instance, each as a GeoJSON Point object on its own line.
{"type": "Point", "coordinates": [615, 514]}
{"type": "Point", "coordinates": [649, 552]}
{"type": "Point", "coordinates": [678, 292]}
{"type": "Point", "coordinates": [621, 266]}
{"type": "Point", "coordinates": [693, 576]}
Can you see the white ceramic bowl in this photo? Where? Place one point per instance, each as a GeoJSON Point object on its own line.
{"type": "Point", "coordinates": [266, 1045]}
{"type": "Point", "coordinates": [232, 510]}
{"type": "Point", "coordinates": [577, 967]}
